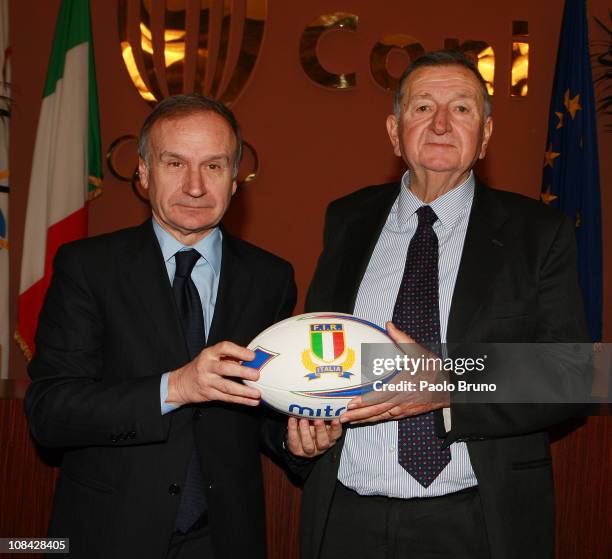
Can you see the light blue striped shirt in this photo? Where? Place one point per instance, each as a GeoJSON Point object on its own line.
{"type": "Point", "coordinates": [205, 275]}
{"type": "Point", "coordinates": [369, 457]}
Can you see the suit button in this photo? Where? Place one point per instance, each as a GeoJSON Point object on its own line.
{"type": "Point", "coordinates": [197, 414]}
{"type": "Point", "coordinates": [174, 489]}
{"type": "Point", "coordinates": [114, 438]}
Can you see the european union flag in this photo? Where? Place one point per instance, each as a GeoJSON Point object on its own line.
{"type": "Point", "coordinates": [570, 180]}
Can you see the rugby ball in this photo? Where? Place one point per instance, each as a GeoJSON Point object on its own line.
{"type": "Point", "coordinates": [311, 365]}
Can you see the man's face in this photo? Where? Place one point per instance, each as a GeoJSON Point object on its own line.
{"type": "Point", "coordinates": [189, 175]}
{"type": "Point", "coordinates": [441, 127]}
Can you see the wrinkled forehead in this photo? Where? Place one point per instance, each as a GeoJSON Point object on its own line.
{"type": "Point", "coordinates": [443, 82]}
{"type": "Point", "coordinates": [193, 125]}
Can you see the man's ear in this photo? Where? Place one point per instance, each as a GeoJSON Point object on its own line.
{"type": "Point", "coordinates": [393, 131]}
{"type": "Point", "coordinates": [486, 137]}
{"type": "Point", "coordinates": [143, 173]}
{"type": "Point", "coordinates": [234, 186]}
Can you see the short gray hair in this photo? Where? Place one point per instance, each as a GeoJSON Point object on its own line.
{"type": "Point", "coordinates": [188, 104]}
{"type": "Point", "coordinates": [442, 58]}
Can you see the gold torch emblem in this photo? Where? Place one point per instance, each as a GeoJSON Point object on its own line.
{"type": "Point", "coordinates": [176, 46]}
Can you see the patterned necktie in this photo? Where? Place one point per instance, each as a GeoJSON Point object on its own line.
{"type": "Point", "coordinates": [417, 313]}
{"type": "Point", "coordinates": [193, 502]}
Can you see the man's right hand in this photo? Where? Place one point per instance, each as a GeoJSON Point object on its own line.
{"type": "Point", "coordinates": [209, 377]}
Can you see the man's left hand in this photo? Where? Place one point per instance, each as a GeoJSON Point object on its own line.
{"type": "Point", "coordinates": [384, 406]}
{"type": "Point", "coordinates": [308, 438]}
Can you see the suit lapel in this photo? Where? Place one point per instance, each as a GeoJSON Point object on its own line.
{"type": "Point", "coordinates": [148, 277]}
{"type": "Point", "coordinates": [234, 287]}
{"type": "Point", "coordinates": [483, 255]}
{"type": "Point", "coordinates": [361, 237]}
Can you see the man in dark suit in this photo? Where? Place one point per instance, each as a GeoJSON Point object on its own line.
{"type": "Point", "coordinates": [447, 259]}
{"type": "Point", "coordinates": [136, 372]}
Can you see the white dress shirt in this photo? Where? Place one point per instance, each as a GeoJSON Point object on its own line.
{"type": "Point", "coordinates": [369, 457]}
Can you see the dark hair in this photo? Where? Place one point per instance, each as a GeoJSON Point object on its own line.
{"type": "Point", "coordinates": [185, 105]}
{"type": "Point", "coordinates": [442, 58]}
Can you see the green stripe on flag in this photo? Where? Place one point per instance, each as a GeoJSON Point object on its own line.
{"type": "Point", "coordinates": [316, 339]}
{"type": "Point", "coordinates": [73, 28]}
{"type": "Point", "coordinates": [94, 145]}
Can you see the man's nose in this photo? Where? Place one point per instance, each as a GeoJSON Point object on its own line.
{"type": "Point", "coordinates": [194, 183]}
{"type": "Point", "coordinates": [441, 121]}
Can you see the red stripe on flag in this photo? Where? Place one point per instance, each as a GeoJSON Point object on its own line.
{"type": "Point", "coordinates": [338, 344]}
{"type": "Point", "coordinates": [30, 301]}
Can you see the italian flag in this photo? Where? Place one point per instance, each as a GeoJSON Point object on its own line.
{"type": "Point", "coordinates": [67, 164]}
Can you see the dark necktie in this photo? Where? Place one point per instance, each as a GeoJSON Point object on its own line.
{"type": "Point", "coordinates": [189, 306]}
{"type": "Point", "coordinates": [417, 313]}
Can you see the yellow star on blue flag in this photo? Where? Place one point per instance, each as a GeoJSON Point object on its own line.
{"type": "Point", "coordinates": [570, 180]}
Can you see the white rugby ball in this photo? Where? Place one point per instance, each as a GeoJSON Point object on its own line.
{"type": "Point", "coordinates": [310, 364]}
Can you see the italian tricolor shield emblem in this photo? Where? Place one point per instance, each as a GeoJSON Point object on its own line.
{"type": "Point", "coordinates": [327, 341]}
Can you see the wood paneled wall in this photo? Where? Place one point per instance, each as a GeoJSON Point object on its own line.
{"type": "Point", "coordinates": [26, 481]}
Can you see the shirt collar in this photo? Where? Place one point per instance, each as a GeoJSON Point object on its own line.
{"type": "Point", "coordinates": [209, 247]}
{"type": "Point", "coordinates": [448, 207]}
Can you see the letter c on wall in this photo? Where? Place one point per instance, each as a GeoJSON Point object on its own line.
{"type": "Point", "coordinates": [308, 49]}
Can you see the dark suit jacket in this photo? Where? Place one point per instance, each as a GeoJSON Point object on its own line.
{"type": "Point", "coordinates": [108, 330]}
{"type": "Point", "coordinates": [517, 282]}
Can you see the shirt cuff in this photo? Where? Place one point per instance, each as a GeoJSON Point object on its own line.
{"type": "Point", "coordinates": [163, 394]}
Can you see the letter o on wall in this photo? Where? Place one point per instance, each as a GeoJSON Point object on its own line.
{"type": "Point", "coordinates": [379, 57]}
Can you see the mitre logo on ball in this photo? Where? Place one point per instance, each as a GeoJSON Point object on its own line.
{"type": "Point", "coordinates": [311, 365]}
